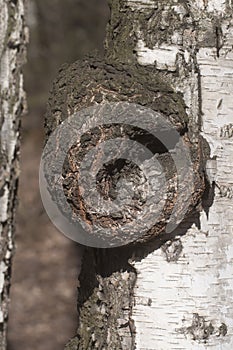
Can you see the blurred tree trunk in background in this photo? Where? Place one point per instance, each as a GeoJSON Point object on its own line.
{"type": "Point", "coordinates": [12, 102]}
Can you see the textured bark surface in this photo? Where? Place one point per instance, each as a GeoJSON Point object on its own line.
{"type": "Point", "coordinates": [174, 292]}
{"type": "Point", "coordinates": [12, 102]}
{"type": "Point", "coordinates": [95, 81]}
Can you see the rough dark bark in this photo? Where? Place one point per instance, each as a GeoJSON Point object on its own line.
{"type": "Point", "coordinates": [93, 81]}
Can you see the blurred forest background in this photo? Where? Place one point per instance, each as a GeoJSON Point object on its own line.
{"type": "Point", "coordinates": [44, 286]}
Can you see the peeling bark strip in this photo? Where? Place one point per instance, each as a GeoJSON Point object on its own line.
{"type": "Point", "coordinates": [174, 292]}
{"type": "Point", "coordinates": [12, 100]}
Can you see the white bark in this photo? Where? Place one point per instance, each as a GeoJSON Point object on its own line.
{"type": "Point", "coordinates": [191, 295]}
{"type": "Point", "coordinates": [12, 47]}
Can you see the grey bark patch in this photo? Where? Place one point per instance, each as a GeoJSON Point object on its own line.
{"type": "Point", "coordinates": [201, 330]}
{"type": "Point", "coordinates": [226, 132]}
{"type": "Point", "coordinates": [223, 330]}
{"type": "Point", "coordinates": [172, 250]}
{"type": "Point", "coordinates": [149, 303]}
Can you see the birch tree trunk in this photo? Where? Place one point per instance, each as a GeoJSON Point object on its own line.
{"type": "Point", "coordinates": [12, 101]}
{"type": "Point", "coordinates": [174, 292]}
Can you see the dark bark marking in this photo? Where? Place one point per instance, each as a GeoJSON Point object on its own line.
{"type": "Point", "coordinates": [172, 250]}
{"type": "Point", "coordinates": [202, 330]}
